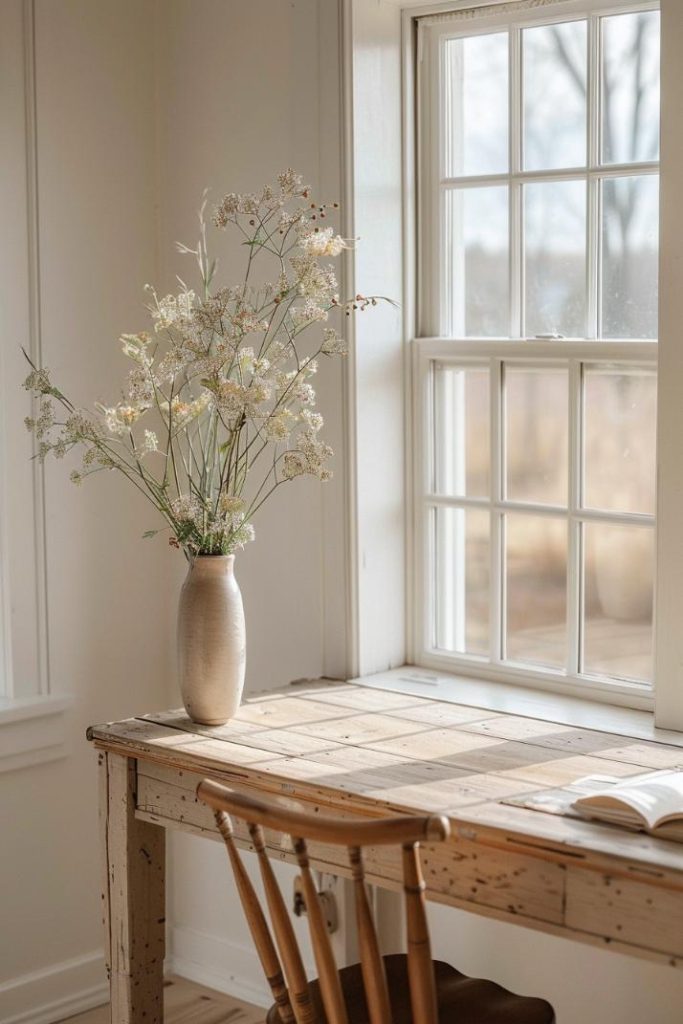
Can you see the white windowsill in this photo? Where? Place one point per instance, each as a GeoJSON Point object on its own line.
{"type": "Point", "coordinates": [519, 700]}
{"type": "Point", "coordinates": [33, 730]}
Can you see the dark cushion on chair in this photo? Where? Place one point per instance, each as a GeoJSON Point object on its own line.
{"type": "Point", "coordinates": [462, 1000]}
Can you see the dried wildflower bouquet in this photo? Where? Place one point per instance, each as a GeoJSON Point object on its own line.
{"type": "Point", "coordinates": [218, 409]}
{"type": "Point", "coordinates": [217, 412]}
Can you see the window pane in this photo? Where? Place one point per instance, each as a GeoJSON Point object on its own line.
{"type": "Point", "coordinates": [630, 84]}
{"type": "Point", "coordinates": [536, 600]}
{"type": "Point", "coordinates": [617, 633]}
{"type": "Point", "coordinates": [536, 435]}
{"type": "Point", "coordinates": [461, 430]}
{"type": "Point", "coordinates": [477, 263]}
{"type": "Point", "coordinates": [462, 580]}
{"type": "Point", "coordinates": [630, 251]}
{"type": "Point", "coordinates": [554, 62]}
{"type": "Point", "coordinates": [555, 258]}
{"type": "Point", "coordinates": [476, 105]}
{"type": "Point", "coordinates": [619, 439]}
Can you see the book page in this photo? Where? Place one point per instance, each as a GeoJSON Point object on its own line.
{"type": "Point", "coordinates": [654, 797]}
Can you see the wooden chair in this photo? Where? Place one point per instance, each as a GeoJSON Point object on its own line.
{"type": "Point", "coordinates": [399, 989]}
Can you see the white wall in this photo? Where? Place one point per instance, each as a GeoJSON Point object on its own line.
{"type": "Point", "coordinates": [244, 91]}
{"type": "Point", "coordinates": [379, 349]}
{"type": "Point", "coordinates": [108, 636]}
{"type": "Point", "coordinates": [238, 101]}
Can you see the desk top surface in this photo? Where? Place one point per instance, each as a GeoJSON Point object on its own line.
{"type": "Point", "coordinates": [375, 752]}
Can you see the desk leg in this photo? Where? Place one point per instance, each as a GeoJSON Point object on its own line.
{"type": "Point", "coordinates": [132, 897]}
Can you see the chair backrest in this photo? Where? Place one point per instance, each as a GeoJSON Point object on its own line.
{"type": "Point", "coordinates": [281, 959]}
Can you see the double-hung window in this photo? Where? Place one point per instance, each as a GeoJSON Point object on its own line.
{"type": "Point", "coordinates": [538, 148]}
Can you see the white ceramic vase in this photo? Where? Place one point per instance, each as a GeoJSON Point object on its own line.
{"type": "Point", "coordinates": [211, 640]}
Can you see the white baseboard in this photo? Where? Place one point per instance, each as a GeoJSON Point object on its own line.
{"type": "Point", "coordinates": [217, 962]}
{"type": "Point", "coordinates": [73, 986]}
{"type": "Point", "coordinates": [52, 993]}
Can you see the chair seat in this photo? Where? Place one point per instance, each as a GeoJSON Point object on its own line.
{"type": "Point", "coordinates": [462, 1000]}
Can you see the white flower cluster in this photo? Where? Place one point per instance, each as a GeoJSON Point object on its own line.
{"type": "Point", "coordinates": [194, 521]}
{"type": "Point", "coordinates": [322, 242]}
{"type": "Point", "coordinates": [181, 411]}
{"type": "Point", "coordinates": [120, 418]}
{"type": "Point", "coordinates": [290, 187]}
{"type": "Point", "coordinates": [172, 310]}
{"type": "Point", "coordinates": [333, 344]}
{"type": "Point", "coordinates": [39, 381]}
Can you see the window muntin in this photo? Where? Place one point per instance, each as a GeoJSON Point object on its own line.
{"type": "Point", "coordinates": [538, 502]}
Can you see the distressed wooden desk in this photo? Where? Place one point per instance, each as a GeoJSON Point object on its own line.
{"type": "Point", "coordinates": [347, 750]}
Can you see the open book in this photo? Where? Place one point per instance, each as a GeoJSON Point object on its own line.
{"type": "Point", "coordinates": [651, 802]}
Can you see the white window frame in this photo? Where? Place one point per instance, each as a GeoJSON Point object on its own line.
{"type": "Point", "coordinates": [494, 353]}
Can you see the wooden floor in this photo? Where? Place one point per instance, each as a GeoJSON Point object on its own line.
{"type": "Point", "coordinates": [187, 1003]}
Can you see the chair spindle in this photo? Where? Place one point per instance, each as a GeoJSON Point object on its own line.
{"type": "Point", "coordinates": [372, 965]}
{"type": "Point", "coordinates": [299, 992]}
{"type": "Point", "coordinates": [420, 967]}
{"type": "Point", "coordinates": [360, 992]}
{"type": "Point", "coordinates": [328, 975]}
{"type": "Point", "coordinates": [256, 920]}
